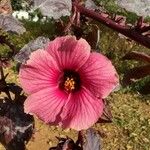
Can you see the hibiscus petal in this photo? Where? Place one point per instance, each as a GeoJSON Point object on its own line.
{"type": "Point", "coordinates": [41, 71]}
{"type": "Point", "coordinates": [82, 110]}
{"type": "Point", "coordinates": [98, 75]}
{"type": "Point", "coordinates": [68, 52]}
{"type": "Point", "coordinates": [46, 104]}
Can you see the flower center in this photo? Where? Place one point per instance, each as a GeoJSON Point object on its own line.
{"type": "Point", "coordinates": [70, 81]}
{"type": "Point", "coordinates": [69, 84]}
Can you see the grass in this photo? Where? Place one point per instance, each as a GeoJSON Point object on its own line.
{"type": "Point", "coordinates": [130, 129]}
{"type": "Point", "coordinates": [131, 123]}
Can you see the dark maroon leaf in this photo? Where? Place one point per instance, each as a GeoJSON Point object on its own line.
{"type": "Point", "coordinates": [92, 140]}
{"type": "Point", "coordinates": [137, 56]}
{"type": "Point", "coordinates": [3, 106]}
{"type": "Point", "coordinates": [69, 144]}
{"type": "Point", "coordinates": [89, 142]}
{"type": "Point", "coordinates": [145, 89]}
{"type": "Point", "coordinates": [15, 89]}
{"type": "Point", "coordinates": [136, 73]}
{"type": "Point", "coordinates": [80, 139]}
{"type": "Point", "coordinates": [66, 144]}
{"type": "Point", "coordinates": [93, 36]}
{"type": "Point", "coordinates": [16, 127]}
{"type": "Point", "coordinates": [107, 115]}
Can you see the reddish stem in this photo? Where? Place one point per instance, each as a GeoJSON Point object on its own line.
{"type": "Point", "coordinates": [129, 32]}
{"type": "Point", "coordinates": [140, 22]}
{"type": "Point", "coordinates": [145, 29]}
{"type": "Point", "coordinates": [72, 18]}
{"type": "Point", "coordinates": [78, 19]}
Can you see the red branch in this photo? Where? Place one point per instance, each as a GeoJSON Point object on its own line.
{"type": "Point", "coordinates": [132, 33]}
{"type": "Point", "coordinates": [145, 29]}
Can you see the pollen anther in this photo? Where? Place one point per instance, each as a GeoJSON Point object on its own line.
{"type": "Point", "coordinates": [69, 84]}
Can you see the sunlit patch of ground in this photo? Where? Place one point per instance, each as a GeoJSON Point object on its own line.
{"type": "Point", "coordinates": [131, 124]}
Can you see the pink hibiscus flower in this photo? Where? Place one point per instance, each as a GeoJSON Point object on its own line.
{"type": "Point", "coordinates": [66, 83]}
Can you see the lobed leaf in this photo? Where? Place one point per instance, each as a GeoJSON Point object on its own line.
{"type": "Point", "coordinates": [140, 7]}
{"type": "Point", "coordinates": [54, 8]}
{"type": "Point", "coordinates": [10, 24]}
{"type": "Point", "coordinates": [93, 37]}
{"type": "Point", "coordinates": [38, 43]}
{"type": "Point", "coordinates": [136, 73]}
{"type": "Point", "coordinates": [92, 141]}
{"type": "Point", "coordinates": [107, 115]}
{"type": "Point", "coordinates": [16, 127]}
{"type": "Point", "coordinates": [137, 56]}
{"type": "Point", "coordinates": [66, 144]}
{"type": "Point", "coordinates": [145, 89]}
